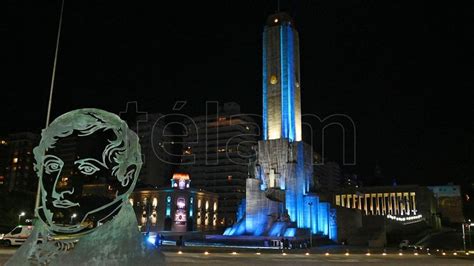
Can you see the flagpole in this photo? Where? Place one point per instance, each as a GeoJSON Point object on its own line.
{"type": "Point", "coordinates": [51, 89]}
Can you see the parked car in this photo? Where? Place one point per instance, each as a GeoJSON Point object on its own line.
{"type": "Point", "coordinates": [17, 236]}
{"type": "Point", "coordinates": [405, 244]}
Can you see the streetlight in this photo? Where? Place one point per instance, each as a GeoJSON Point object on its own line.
{"type": "Point", "coordinates": [469, 232]}
{"type": "Point", "coordinates": [468, 225]}
{"type": "Point", "coordinates": [73, 216]}
{"type": "Point", "coordinates": [19, 216]}
{"type": "Point", "coordinates": [310, 224]}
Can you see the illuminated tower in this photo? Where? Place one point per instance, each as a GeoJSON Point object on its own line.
{"type": "Point", "coordinates": [279, 196]}
{"type": "Point", "coordinates": [281, 79]}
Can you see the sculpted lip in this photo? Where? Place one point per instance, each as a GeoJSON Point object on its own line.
{"type": "Point", "coordinates": [64, 204]}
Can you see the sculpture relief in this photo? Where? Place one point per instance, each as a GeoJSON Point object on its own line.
{"type": "Point", "coordinates": [88, 162]}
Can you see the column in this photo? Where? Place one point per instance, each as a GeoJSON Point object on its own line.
{"type": "Point", "coordinates": [396, 204]}
{"type": "Point", "coordinates": [366, 208]}
{"type": "Point", "coordinates": [414, 203]}
{"type": "Point", "coordinates": [407, 202]}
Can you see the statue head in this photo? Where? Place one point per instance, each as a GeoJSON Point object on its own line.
{"type": "Point", "coordinates": [88, 162]}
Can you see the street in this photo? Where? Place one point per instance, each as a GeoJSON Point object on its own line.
{"type": "Point", "coordinates": [221, 256]}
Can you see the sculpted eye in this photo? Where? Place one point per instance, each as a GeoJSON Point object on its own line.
{"type": "Point", "coordinates": [52, 166]}
{"type": "Point", "coordinates": [88, 169]}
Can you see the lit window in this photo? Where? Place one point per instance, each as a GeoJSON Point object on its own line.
{"type": "Point", "coordinates": [180, 203]}
{"type": "Point", "coordinates": [276, 20]}
{"type": "Point", "coordinates": [229, 177]}
{"type": "Point", "coordinates": [199, 203]}
{"type": "Point", "coordinates": [215, 205]}
{"type": "Point", "coordinates": [182, 184]}
{"type": "Point", "coordinates": [207, 205]}
{"type": "Point", "coordinates": [15, 160]}
{"type": "Point", "coordinates": [131, 201]}
{"type": "Point", "coordinates": [155, 202]}
{"type": "Point", "coordinates": [153, 218]}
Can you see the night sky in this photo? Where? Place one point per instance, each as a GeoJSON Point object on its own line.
{"type": "Point", "coordinates": [402, 71]}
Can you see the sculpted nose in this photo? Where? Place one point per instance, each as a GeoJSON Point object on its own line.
{"type": "Point", "coordinates": [63, 186]}
{"type": "Point", "coordinates": [64, 192]}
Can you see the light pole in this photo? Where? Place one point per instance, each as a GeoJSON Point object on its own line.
{"type": "Point", "coordinates": [469, 233]}
{"type": "Point", "coordinates": [19, 216]}
{"type": "Point", "coordinates": [72, 217]}
{"type": "Point", "coordinates": [48, 113]}
{"type": "Point", "coordinates": [464, 235]}
{"type": "Point", "coordinates": [310, 224]}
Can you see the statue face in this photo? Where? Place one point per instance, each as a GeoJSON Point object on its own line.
{"type": "Point", "coordinates": [85, 175]}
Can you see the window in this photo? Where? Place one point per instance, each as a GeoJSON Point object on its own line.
{"type": "Point", "coordinates": [16, 231]}
{"type": "Point", "coordinates": [143, 220]}
{"type": "Point", "coordinates": [15, 160]}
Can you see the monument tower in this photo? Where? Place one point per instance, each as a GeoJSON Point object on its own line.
{"type": "Point", "coordinates": [281, 79]}
{"type": "Point", "coordinates": [279, 191]}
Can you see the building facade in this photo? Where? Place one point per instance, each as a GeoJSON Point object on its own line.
{"type": "Point", "coordinates": [178, 208]}
{"type": "Point", "coordinates": [216, 153]}
{"type": "Point", "coordinates": [155, 145]}
{"type": "Point", "coordinates": [4, 160]}
{"type": "Point", "coordinates": [19, 174]}
{"type": "Point", "coordinates": [400, 203]}
{"type": "Point", "coordinates": [328, 176]}
{"type": "Point", "coordinates": [449, 203]}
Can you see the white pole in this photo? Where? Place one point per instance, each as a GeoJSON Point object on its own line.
{"type": "Point", "coordinates": [53, 76]}
{"type": "Point", "coordinates": [463, 236]}
{"type": "Point", "coordinates": [310, 224]}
